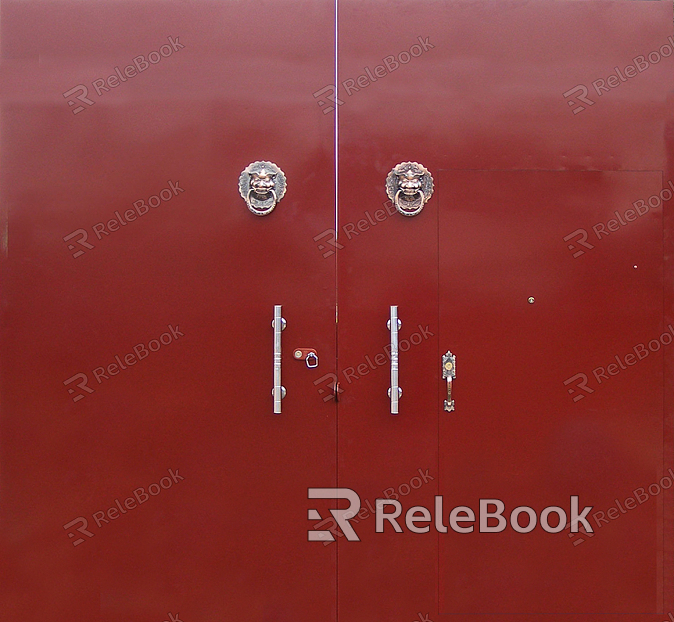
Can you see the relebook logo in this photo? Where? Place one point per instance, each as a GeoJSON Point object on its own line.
{"type": "Point", "coordinates": [80, 94]}
{"type": "Point", "coordinates": [80, 381]}
{"type": "Point", "coordinates": [81, 525]}
{"type": "Point", "coordinates": [79, 242]}
{"type": "Point", "coordinates": [490, 516]}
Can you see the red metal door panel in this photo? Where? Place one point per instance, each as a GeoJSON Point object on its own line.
{"type": "Point", "coordinates": [225, 542]}
{"type": "Point", "coordinates": [542, 317]}
{"type": "Point", "coordinates": [489, 87]}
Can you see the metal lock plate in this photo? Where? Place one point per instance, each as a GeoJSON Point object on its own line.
{"type": "Point", "coordinates": [308, 355]}
{"type": "Point", "coordinates": [449, 373]}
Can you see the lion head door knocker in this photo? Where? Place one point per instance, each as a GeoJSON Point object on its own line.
{"type": "Point", "coordinates": [409, 185]}
{"type": "Point", "coordinates": [262, 185]}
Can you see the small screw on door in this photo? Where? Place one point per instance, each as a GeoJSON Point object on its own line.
{"type": "Point", "coordinates": [531, 300]}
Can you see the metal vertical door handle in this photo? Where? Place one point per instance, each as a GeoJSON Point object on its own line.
{"type": "Point", "coordinates": [278, 392]}
{"type": "Point", "coordinates": [395, 392]}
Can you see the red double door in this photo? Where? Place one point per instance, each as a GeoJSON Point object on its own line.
{"type": "Point", "coordinates": [145, 475]}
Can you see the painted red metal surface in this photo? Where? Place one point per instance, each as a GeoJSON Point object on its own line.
{"type": "Point", "coordinates": [229, 541]}
{"type": "Point", "coordinates": [483, 102]}
{"type": "Point", "coordinates": [167, 311]}
{"type": "Point", "coordinates": [541, 318]}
